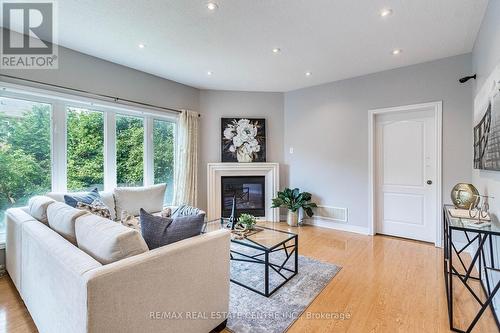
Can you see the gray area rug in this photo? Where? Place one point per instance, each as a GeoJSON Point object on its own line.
{"type": "Point", "coordinates": [251, 312]}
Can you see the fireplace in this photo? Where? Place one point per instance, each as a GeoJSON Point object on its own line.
{"type": "Point", "coordinates": [249, 192]}
{"type": "Point", "coordinates": [268, 171]}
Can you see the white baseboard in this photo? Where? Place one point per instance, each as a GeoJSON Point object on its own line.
{"type": "Point", "coordinates": [337, 225]}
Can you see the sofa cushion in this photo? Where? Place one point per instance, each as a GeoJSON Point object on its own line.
{"type": "Point", "coordinates": [107, 198]}
{"type": "Point", "coordinates": [159, 231]}
{"type": "Point", "coordinates": [62, 219]}
{"type": "Point", "coordinates": [38, 205]}
{"type": "Point", "coordinates": [132, 199]}
{"type": "Point", "coordinates": [107, 241]}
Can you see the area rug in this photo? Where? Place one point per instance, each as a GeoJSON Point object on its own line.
{"type": "Point", "coordinates": [250, 312]}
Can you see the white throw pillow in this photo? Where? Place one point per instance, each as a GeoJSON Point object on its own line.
{"type": "Point", "coordinates": [37, 207]}
{"type": "Point", "coordinates": [62, 219]}
{"type": "Point", "coordinates": [107, 241]}
{"type": "Point", "coordinates": [132, 199]}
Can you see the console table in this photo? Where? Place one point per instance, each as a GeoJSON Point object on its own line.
{"type": "Point", "coordinates": [480, 241]}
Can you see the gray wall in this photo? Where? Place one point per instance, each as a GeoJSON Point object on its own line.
{"type": "Point", "coordinates": [81, 71]}
{"type": "Point", "coordinates": [485, 56]}
{"type": "Point", "coordinates": [327, 126]}
{"type": "Point", "coordinates": [215, 105]}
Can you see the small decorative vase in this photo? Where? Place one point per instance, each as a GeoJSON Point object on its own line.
{"type": "Point", "coordinates": [292, 219]}
{"type": "Point", "coordinates": [243, 157]}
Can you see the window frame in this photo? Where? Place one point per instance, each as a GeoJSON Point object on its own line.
{"type": "Point", "coordinates": [60, 101]}
{"type": "Point", "coordinates": [67, 106]}
{"type": "Point", "coordinates": [176, 146]}
{"type": "Point", "coordinates": [53, 137]}
{"type": "Point", "coordinates": [144, 143]}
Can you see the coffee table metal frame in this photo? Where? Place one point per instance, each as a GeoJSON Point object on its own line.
{"type": "Point", "coordinates": [262, 258]}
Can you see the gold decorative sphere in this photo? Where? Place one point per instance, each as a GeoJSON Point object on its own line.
{"type": "Point", "coordinates": [464, 195]}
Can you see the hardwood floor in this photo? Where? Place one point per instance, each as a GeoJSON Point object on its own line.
{"type": "Point", "coordinates": [386, 284]}
{"type": "Point", "coordinates": [14, 318]}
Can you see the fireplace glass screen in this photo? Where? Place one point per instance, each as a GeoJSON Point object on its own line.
{"type": "Point", "coordinates": [249, 192]}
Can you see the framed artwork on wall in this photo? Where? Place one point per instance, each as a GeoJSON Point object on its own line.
{"type": "Point", "coordinates": [487, 124]}
{"type": "Point", "coordinates": [243, 140]}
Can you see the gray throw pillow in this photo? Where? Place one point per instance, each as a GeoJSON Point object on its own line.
{"type": "Point", "coordinates": [159, 231]}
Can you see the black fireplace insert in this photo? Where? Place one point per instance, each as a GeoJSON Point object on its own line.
{"type": "Point", "coordinates": [249, 192]}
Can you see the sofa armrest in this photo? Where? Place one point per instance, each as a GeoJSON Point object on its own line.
{"type": "Point", "coordinates": [182, 287]}
{"type": "Point", "coordinates": [53, 285]}
{"type": "Point", "coordinates": [15, 218]}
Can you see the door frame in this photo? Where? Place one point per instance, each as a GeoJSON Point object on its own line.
{"type": "Point", "coordinates": [437, 107]}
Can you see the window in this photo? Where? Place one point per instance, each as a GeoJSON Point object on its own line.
{"type": "Point", "coordinates": [85, 149]}
{"type": "Point", "coordinates": [163, 155]}
{"type": "Point", "coordinates": [129, 151]}
{"type": "Point", "coordinates": [57, 142]}
{"type": "Point", "coordinates": [25, 154]}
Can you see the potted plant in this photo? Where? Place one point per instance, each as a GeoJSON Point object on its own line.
{"type": "Point", "coordinates": [248, 221]}
{"type": "Point", "coordinates": [294, 200]}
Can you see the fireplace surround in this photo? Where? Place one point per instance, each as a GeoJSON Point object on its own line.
{"type": "Point", "coordinates": [216, 172]}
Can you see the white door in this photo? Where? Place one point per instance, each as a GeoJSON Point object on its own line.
{"type": "Point", "coordinates": [405, 174]}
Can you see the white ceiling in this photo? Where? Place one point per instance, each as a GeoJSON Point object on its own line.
{"type": "Point", "coordinates": [334, 39]}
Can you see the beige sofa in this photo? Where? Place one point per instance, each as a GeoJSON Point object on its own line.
{"type": "Point", "coordinates": [181, 287]}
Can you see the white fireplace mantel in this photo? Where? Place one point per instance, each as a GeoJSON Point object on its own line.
{"type": "Point", "coordinates": [217, 170]}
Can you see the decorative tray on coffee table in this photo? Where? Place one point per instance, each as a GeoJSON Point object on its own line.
{"type": "Point", "coordinates": [240, 234]}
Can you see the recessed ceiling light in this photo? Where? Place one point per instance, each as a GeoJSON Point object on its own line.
{"type": "Point", "coordinates": [276, 50]}
{"type": "Point", "coordinates": [308, 73]}
{"type": "Point", "coordinates": [212, 6]}
{"type": "Point", "coordinates": [396, 51]}
{"type": "Point", "coordinates": [386, 12]}
{"type": "Point", "coordinates": [141, 46]}
{"type": "Point", "coordinates": [209, 73]}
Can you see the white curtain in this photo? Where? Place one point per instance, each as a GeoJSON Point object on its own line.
{"type": "Point", "coordinates": [186, 160]}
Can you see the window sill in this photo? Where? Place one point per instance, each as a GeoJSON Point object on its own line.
{"type": "Point", "coordinates": [2, 241]}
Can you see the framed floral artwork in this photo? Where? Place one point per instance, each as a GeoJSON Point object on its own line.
{"type": "Point", "coordinates": [243, 140]}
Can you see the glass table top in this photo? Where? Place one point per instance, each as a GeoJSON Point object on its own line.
{"type": "Point", "coordinates": [458, 223]}
{"type": "Point", "coordinates": [264, 237]}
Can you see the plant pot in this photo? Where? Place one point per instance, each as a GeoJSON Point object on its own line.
{"type": "Point", "coordinates": [292, 218]}
{"type": "Point", "coordinates": [301, 214]}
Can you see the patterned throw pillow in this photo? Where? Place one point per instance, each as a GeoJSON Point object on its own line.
{"type": "Point", "coordinates": [130, 221]}
{"type": "Point", "coordinates": [185, 210]}
{"type": "Point", "coordinates": [159, 231]}
{"type": "Point", "coordinates": [97, 207]}
{"type": "Point", "coordinates": [166, 212]}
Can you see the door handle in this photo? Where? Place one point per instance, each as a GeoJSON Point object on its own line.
{"type": "Point", "coordinates": [429, 182]}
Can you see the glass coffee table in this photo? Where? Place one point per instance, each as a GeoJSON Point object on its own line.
{"type": "Point", "coordinates": [264, 260]}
